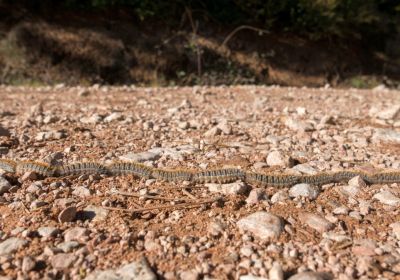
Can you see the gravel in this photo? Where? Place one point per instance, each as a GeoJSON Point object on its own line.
{"type": "Point", "coordinates": [59, 227]}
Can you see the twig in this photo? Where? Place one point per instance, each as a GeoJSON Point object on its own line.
{"type": "Point", "coordinates": [185, 187]}
{"type": "Point", "coordinates": [241, 28]}
{"type": "Point", "coordinates": [183, 205]}
{"type": "Point", "coordinates": [194, 32]}
{"type": "Point", "coordinates": [189, 194]}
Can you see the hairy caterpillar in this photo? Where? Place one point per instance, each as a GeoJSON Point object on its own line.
{"type": "Point", "coordinates": [318, 179]}
{"type": "Point", "coordinates": [33, 166]}
{"type": "Point", "coordinates": [80, 168]}
{"type": "Point", "coordinates": [270, 179]}
{"type": "Point", "coordinates": [387, 177]}
{"type": "Point", "coordinates": [219, 176]}
{"type": "Point", "coordinates": [172, 175]}
{"type": "Point", "coordinates": [134, 168]}
{"type": "Point", "coordinates": [226, 175]}
{"type": "Point", "coordinates": [8, 165]}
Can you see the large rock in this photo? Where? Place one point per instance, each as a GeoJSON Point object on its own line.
{"type": "Point", "coordinates": [262, 224]}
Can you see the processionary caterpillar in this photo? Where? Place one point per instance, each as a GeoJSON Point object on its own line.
{"type": "Point", "coordinates": [225, 175]}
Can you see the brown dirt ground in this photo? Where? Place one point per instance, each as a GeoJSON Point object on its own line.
{"type": "Point", "coordinates": [252, 121]}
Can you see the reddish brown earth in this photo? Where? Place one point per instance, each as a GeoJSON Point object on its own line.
{"type": "Point", "coordinates": [268, 128]}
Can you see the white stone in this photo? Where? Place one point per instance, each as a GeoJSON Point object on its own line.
{"type": "Point", "coordinates": [256, 195]}
{"type": "Point", "coordinates": [305, 168]}
{"type": "Point", "coordinates": [141, 157]}
{"type": "Point", "coordinates": [396, 229]}
{"type": "Point", "coordinates": [11, 245]}
{"type": "Point", "coordinates": [262, 224]}
{"type": "Point", "coordinates": [213, 132]}
{"type": "Point", "coordinates": [311, 276]}
{"type": "Point", "coordinates": [81, 191]}
{"type": "Point", "coordinates": [62, 261]}
{"type": "Point", "coordinates": [357, 182]}
{"type": "Point", "coordinates": [304, 190]}
{"type": "Point", "coordinates": [276, 272]}
{"type": "Point", "coordinates": [115, 116]}
{"type": "Point", "coordinates": [232, 188]}
{"type": "Point", "coordinates": [387, 198]}
{"type": "Point", "coordinates": [386, 135]}
{"type": "Point", "coordinates": [298, 125]}
{"type": "Point", "coordinates": [47, 231]}
{"type": "Point", "coordinates": [95, 213]}
{"type": "Point", "coordinates": [137, 270]}
{"type": "Point", "coordinates": [79, 234]}
{"type": "Point", "coordinates": [279, 196]}
{"type": "Point", "coordinates": [316, 222]}
{"type": "Point", "coordinates": [95, 118]}
{"type": "Point", "coordinates": [276, 158]}
{"type": "Point", "coordinates": [386, 113]}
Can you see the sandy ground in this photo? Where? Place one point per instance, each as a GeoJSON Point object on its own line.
{"type": "Point", "coordinates": [77, 227]}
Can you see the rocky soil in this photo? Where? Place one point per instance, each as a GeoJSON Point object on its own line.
{"type": "Point", "coordinates": [100, 227]}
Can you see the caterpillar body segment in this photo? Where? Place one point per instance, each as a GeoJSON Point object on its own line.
{"type": "Point", "coordinates": [227, 175]}
{"type": "Point", "coordinates": [341, 176]}
{"type": "Point", "coordinates": [81, 168]}
{"type": "Point", "coordinates": [134, 168]}
{"type": "Point", "coordinates": [317, 179]}
{"type": "Point", "coordinates": [273, 180]}
{"type": "Point", "coordinates": [40, 168]}
{"type": "Point", "coordinates": [8, 165]}
{"type": "Point", "coordinates": [172, 175]}
{"type": "Point", "coordinates": [388, 177]}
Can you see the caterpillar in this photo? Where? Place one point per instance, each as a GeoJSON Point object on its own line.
{"type": "Point", "coordinates": [387, 177]}
{"type": "Point", "coordinates": [172, 175]}
{"type": "Point", "coordinates": [81, 168]}
{"type": "Point", "coordinates": [134, 168]}
{"type": "Point", "coordinates": [219, 176]}
{"type": "Point", "coordinates": [33, 166]}
{"type": "Point", "coordinates": [8, 165]}
{"type": "Point", "coordinates": [226, 175]}
{"type": "Point", "coordinates": [274, 180]}
{"type": "Point", "coordinates": [319, 179]}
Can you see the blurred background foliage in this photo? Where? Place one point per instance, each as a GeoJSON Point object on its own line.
{"type": "Point", "coordinates": [314, 18]}
{"type": "Point", "coordinates": [184, 41]}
